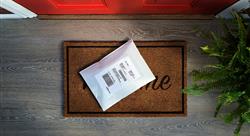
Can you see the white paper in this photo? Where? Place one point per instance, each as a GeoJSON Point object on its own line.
{"type": "Point", "coordinates": [117, 75]}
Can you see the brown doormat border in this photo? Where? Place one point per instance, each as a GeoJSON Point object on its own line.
{"type": "Point", "coordinates": [126, 17]}
{"type": "Point", "coordinates": [157, 44]}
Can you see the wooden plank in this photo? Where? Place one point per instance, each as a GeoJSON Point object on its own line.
{"type": "Point", "coordinates": [127, 17]}
{"type": "Point", "coordinates": [31, 78]}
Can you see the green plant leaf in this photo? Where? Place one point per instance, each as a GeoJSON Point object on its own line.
{"type": "Point", "coordinates": [228, 118]}
{"type": "Point", "coordinates": [238, 128]}
{"type": "Point", "coordinates": [218, 42]}
{"type": "Point", "coordinates": [238, 134]}
{"type": "Point", "coordinates": [193, 90]}
{"type": "Point", "coordinates": [209, 51]}
{"type": "Point", "coordinates": [246, 116]}
{"type": "Point", "coordinates": [230, 75]}
{"type": "Point", "coordinates": [242, 32]}
{"type": "Point", "coordinates": [215, 66]}
{"type": "Point", "coordinates": [218, 107]}
{"type": "Point", "coordinates": [233, 60]}
{"type": "Point", "coordinates": [229, 97]}
{"type": "Point", "coordinates": [248, 48]}
{"type": "Point", "coordinates": [205, 49]}
{"type": "Point", "coordinates": [205, 74]}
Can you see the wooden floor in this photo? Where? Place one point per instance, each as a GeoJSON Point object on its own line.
{"type": "Point", "coordinates": [31, 79]}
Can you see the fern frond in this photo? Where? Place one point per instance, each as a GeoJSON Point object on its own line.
{"type": "Point", "coordinates": [209, 51]}
{"type": "Point", "coordinates": [229, 97]}
{"type": "Point", "coordinates": [218, 42]}
{"type": "Point", "coordinates": [193, 90]}
{"type": "Point", "coordinates": [208, 74]}
{"type": "Point", "coordinates": [246, 116]}
{"type": "Point", "coordinates": [231, 74]}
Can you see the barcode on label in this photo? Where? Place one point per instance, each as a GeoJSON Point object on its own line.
{"type": "Point", "coordinates": [116, 74]}
{"type": "Point", "coordinates": [131, 73]}
{"type": "Point", "coordinates": [122, 66]}
{"type": "Point", "coordinates": [123, 77]}
{"type": "Point", "coordinates": [108, 80]}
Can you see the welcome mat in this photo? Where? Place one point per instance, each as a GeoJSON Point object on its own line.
{"type": "Point", "coordinates": [159, 98]}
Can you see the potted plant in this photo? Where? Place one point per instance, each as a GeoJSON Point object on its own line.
{"type": "Point", "coordinates": [230, 75]}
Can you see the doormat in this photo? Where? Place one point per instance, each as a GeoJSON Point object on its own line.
{"type": "Point", "coordinates": [162, 97]}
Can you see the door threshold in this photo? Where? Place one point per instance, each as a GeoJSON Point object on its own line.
{"type": "Point", "coordinates": [126, 17]}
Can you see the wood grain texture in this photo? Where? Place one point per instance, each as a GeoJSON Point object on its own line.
{"type": "Point", "coordinates": [31, 79]}
{"type": "Point", "coordinates": [127, 17]}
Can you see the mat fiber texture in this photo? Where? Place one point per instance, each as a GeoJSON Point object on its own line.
{"type": "Point", "coordinates": [160, 98]}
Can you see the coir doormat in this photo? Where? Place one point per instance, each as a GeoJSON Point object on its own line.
{"type": "Point", "coordinates": [159, 98]}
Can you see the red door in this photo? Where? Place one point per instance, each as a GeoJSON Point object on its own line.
{"type": "Point", "coordinates": [125, 6]}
